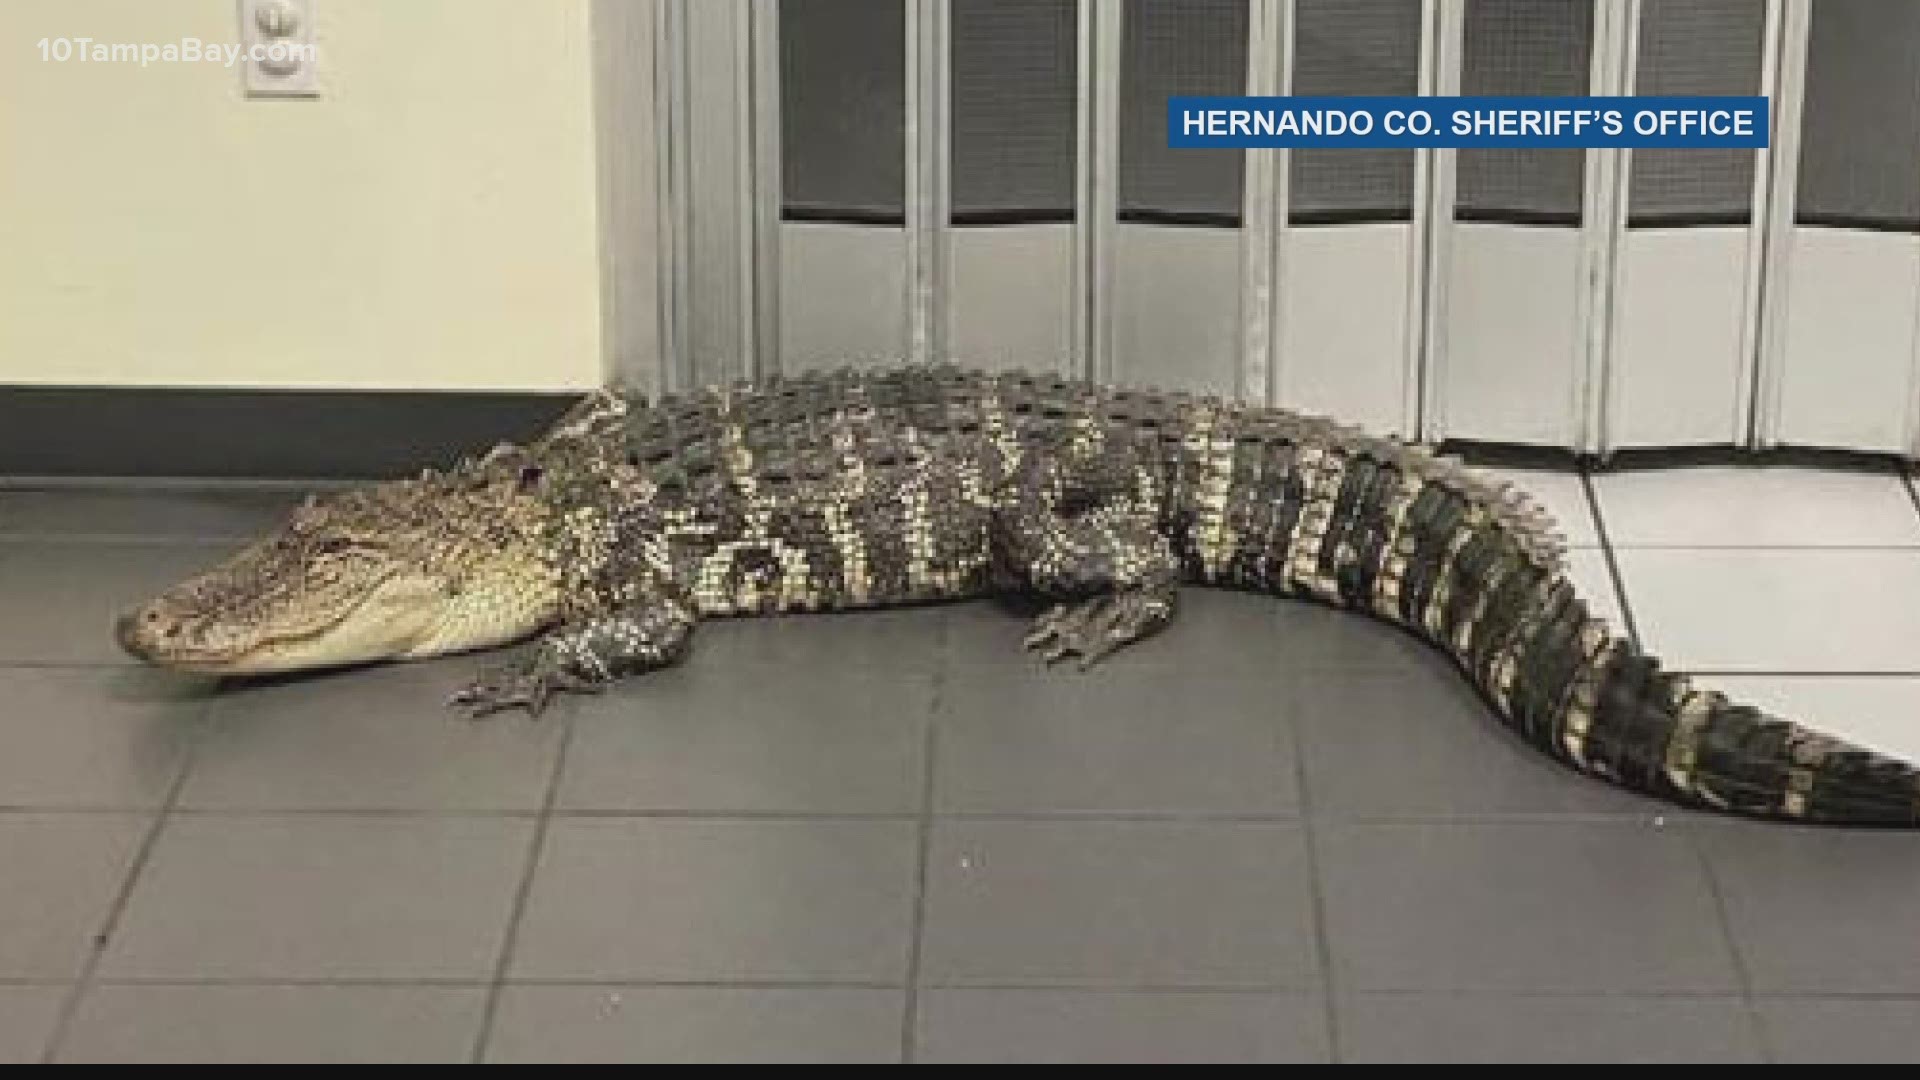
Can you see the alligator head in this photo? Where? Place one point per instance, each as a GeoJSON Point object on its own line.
{"type": "Point", "coordinates": [441, 564]}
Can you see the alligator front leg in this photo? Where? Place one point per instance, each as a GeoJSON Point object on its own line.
{"type": "Point", "coordinates": [1082, 527]}
{"type": "Point", "coordinates": [1095, 628]}
{"type": "Point", "coordinates": [585, 656]}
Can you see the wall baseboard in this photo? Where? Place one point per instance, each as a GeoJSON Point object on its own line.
{"type": "Point", "coordinates": [269, 434]}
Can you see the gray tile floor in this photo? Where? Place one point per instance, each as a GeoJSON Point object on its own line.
{"type": "Point", "coordinates": [1276, 832]}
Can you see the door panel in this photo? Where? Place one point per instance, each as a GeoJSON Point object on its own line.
{"type": "Point", "coordinates": [1010, 248]}
{"type": "Point", "coordinates": [1343, 325]}
{"type": "Point", "coordinates": [1686, 284]}
{"type": "Point", "coordinates": [1846, 375]}
{"type": "Point", "coordinates": [1848, 380]}
{"type": "Point", "coordinates": [1176, 272]}
{"type": "Point", "coordinates": [1512, 333]}
{"type": "Point", "coordinates": [1514, 286]}
{"type": "Point", "coordinates": [843, 295]}
{"type": "Point", "coordinates": [1176, 307]}
{"type": "Point", "coordinates": [1679, 351]}
{"type": "Point", "coordinates": [842, 243]}
{"type": "Point", "coordinates": [1347, 253]}
{"type": "Point", "coordinates": [1012, 298]}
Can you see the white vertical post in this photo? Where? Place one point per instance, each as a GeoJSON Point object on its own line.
{"type": "Point", "coordinates": [1443, 26]}
{"type": "Point", "coordinates": [1263, 208]}
{"type": "Point", "coordinates": [1789, 75]}
{"type": "Point", "coordinates": [761, 189]}
{"type": "Point", "coordinates": [1602, 233]}
{"type": "Point", "coordinates": [928, 174]}
{"type": "Point", "coordinates": [1419, 266]}
{"type": "Point", "coordinates": [1752, 303]}
{"type": "Point", "coordinates": [675, 181]}
{"type": "Point", "coordinates": [1096, 190]}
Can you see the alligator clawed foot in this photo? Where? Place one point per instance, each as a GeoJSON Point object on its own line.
{"type": "Point", "coordinates": [528, 687]}
{"type": "Point", "coordinates": [1061, 629]}
{"type": "Point", "coordinates": [1096, 628]}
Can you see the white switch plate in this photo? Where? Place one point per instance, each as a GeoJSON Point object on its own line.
{"type": "Point", "coordinates": [283, 27]}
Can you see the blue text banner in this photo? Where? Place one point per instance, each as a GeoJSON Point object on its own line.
{"type": "Point", "coordinates": [1738, 122]}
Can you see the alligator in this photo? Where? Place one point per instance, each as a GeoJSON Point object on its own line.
{"type": "Point", "coordinates": [612, 535]}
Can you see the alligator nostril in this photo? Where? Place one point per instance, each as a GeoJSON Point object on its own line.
{"type": "Point", "coordinates": [152, 617]}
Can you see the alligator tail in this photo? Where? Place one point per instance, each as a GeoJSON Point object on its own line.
{"type": "Point", "coordinates": [1657, 732]}
{"type": "Point", "coordinates": [1475, 569]}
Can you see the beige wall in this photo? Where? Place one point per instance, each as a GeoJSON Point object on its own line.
{"type": "Point", "coordinates": [429, 222]}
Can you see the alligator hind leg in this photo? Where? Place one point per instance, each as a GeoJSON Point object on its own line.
{"type": "Point", "coordinates": [1081, 527]}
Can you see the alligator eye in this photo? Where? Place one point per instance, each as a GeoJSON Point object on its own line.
{"type": "Point", "coordinates": [333, 545]}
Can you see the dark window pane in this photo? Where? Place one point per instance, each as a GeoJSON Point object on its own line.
{"type": "Point", "coordinates": [1524, 48]}
{"type": "Point", "coordinates": [1174, 48]}
{"type": "Point", "coordinates": [1860, 130]}
{"type": "Point", "coordinates": [1692, 47]}
{"type": "Point", "coordinates": [843, 109]}
{"type": "Point", "coordinates": [1013, 110]}
{"type": "Point", "coordinates": [1353, 47]}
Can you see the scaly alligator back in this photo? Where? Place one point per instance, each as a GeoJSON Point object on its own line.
{"type": "Point", "coordinates": [1273, 501]}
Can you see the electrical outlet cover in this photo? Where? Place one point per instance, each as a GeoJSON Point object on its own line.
{"type": "Point", "coordinates": [279, 55]}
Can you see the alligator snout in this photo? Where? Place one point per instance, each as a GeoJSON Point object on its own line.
{"type": "Point", "coordinates": [141, 631]}
{"type": "Point", "coordinates": [126, 630]}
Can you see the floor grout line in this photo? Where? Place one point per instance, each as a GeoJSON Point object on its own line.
{"type": "Point", "coordinates": [1913, 496]}
{"type": "Point", "coordinates": [1295, 989]}
{"type": "Point", "coordinates": [1813, 548]}
{"type": "Point", "coordinates": [1612, 560]}
{"type": "Point", "coordinates": [1614, 994]}
{"type": "Point", "coordinates": [58, 484]}
{"type": "Point", "coordinates": [1744, 978]}
{"type": "Point", "coordinates": [923, 855]}
{"type": "Point", "coordinates": [516, 912]}
{"type": "Point", "coordinates": [116, 540]}
{"type": "Point", "coordinates": [1090, 817]}
{"type": "Point", "coordinates": [123, 896]}
{"type": "Point", "coordinates": [457, 983]}
{"type": "Point", "coordinates": [1316, 890]}
{"type": "Point", "coordinates": [1744, 673]}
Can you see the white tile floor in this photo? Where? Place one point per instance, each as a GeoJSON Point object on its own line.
{"type": "Point", "coordinates": [1796, 610]}
{"type": "Point", "coordinates": [1796, 589]}
{"type": "Point", "coordinates": [1756, 507]}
